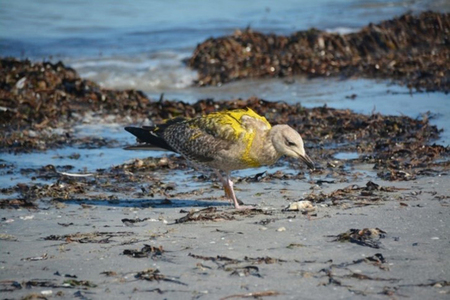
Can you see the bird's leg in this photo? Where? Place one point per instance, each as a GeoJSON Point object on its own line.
{"type": "Point", "coordinates": [229, 188]}
{"type": "Point", "coordinates": [225, 186]}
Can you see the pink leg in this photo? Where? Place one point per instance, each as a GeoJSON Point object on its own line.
{"type": "Point", "coordinates": [225, 186]}
{"type": "Point", "coordinates": [229, 189]}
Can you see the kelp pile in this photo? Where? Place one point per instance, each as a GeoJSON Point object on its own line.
{"type": "Point", "coordinates": [42, 101]}
{"type": "Point", "coordinates": [411, 50]}
{"type": "Point", "coordinates": [38, 100]}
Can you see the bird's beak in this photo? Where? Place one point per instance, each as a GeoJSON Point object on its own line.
{"type": "Point", "coordinates": [308, 161]}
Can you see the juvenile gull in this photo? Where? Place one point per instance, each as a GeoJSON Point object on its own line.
{"type": "Point", "coordinates": [225, 141]}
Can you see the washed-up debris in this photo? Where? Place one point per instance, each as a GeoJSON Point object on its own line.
{"type": "Point", "coordinates": [304, 206]}
{"type": "Point", "coordinates": [206, 214]}
{"type": "Point", "coordinates": [250, 212]}
{"type": "Point", "coordinates": [7, 237]}
{"type": "Point", "coordinates": [246, 271]}
{"type": "Point", "coordinates": [342, 275]}
{"type": "Point", "coordinates": [376, 260]}
{"type": "Point", "coordinates": [34, 296]}
{"type": "Point", "coordinates": [17, 203]}
{"type": "Point", "coordinates": [295, 245]}
{"type": "Point", "coordinates": [213, 214]}
{"type": "Point", "coordinates": [47, 283]}
{"type": "Point", "coordinates": [360, 276]}
{"type": "Point", "coordinates": [152, 163]}
{"type": "Point", "coordinates": [394, 291]}
{"type": "Point", "coordinates": [223, 261]}
{"type": "Point", "coordinates": [47, 171]}
{"type": "Point", "coordinates": [412, 50]}
{"type": "Point", "coordinates": [146, 251]}
{"type": "Point", "coordinates": [109, 273]}
{"type": "Point", "coordinates": [264, 260]}
{"type": "Point", "coordinates": [155, 275]}
{"type": "Point", "coordinates": [111, 183]}
{"type": "Point", "coordinates": [36, 258]}
{"type": "Point", "coordinates": [240, 268]}
{"type": "Point", "coordinates": [133, 221]}
{"type": "Point", "coordinates": [91, 237]}
{"type": "Point", "coordinates": [39, 283]}
{"type": "Point", "coordinates": [256, 295]}
{"type": "Point", "coordinates": [202, 267]}
{"type": "Point", "coordinates": [433, 283]}
{"type": "Point", "coordinates": [59, 190]}
{"type": "Point", "coordinates": [266, 221]}
{"type": "Point", "coordinates": [370, 194]}
{"type": "Point", "coordinates": [369, 237]}
{"type": "Point", "coordinates": [65, 224]}
{"type": "Point", "coordinates": [334, 279]}
{"type": "Point", "coordinates": [9, 285]}
{"type": "Point", "coordinates": [79, 283]}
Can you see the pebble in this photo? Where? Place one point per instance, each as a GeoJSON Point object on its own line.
{"type": "Point", "coordinates": [47, 292]}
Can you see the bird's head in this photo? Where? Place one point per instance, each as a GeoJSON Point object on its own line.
{"type": "Point", "coordinates": [288, 142]}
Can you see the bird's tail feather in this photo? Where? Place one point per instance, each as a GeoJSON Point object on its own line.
{"type": "Point", "coordinates": [144, 147]}
{"type": "Point", "coordinates": [147, 136]}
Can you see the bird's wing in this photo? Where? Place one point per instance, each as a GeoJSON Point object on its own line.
{"type": "Point", "coordinates": [234, 124]}
{"type": "Point", "coordinates": [152, 136]}
{"type": "Point", "coordinates": [200, 139]}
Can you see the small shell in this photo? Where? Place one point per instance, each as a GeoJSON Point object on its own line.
{"type": "Point", "coordinates": [303, 206]}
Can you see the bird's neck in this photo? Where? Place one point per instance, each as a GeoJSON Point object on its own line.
{"type": "Point", "coordinates": [269, 155]}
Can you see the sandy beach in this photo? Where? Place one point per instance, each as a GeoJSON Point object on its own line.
{"type": "Point", "coordinates": [118, 249]}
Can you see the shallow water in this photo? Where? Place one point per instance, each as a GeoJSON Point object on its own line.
{"type": "Point", "coordinates": [371, 96]}
{"type": "Point", "coordinates": [346, 155]}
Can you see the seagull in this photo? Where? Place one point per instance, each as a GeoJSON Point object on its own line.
{"type": "Point", "coordinates": [224, 141]}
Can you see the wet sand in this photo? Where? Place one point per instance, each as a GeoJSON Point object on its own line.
{"type": "Point", "coordinates": [118, 249]}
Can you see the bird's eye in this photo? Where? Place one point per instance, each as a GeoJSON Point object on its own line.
{"type": "Point", "coordinates": [290, 144]}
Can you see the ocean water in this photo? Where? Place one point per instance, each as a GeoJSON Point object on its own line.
{"type": "Point", "coordinates": [142, 45]}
